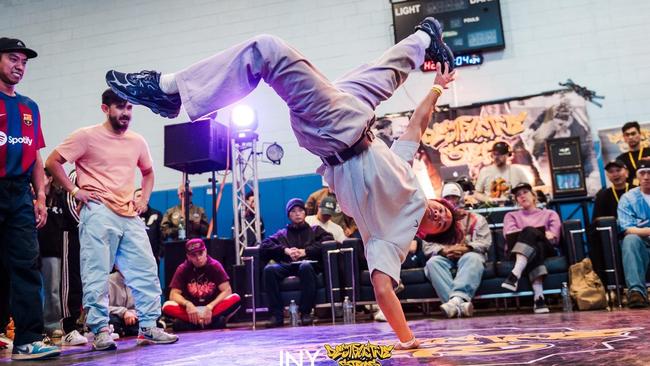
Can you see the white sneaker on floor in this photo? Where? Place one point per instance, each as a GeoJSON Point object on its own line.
{"type": "Point", "coordinates": [74, 338]}
{"type": "Point", "coordinates": [114, 335]}
{"type": "Point", "coordinates": [103, 341]}
{"type": "Point", "coordinates": [379, 316]}
{"type": "Point", "coordinates": [155, 335]}
{"type": "Point", "coordinates": [450, 309]}
{"type": "Point", "coordinates": [467, 309]}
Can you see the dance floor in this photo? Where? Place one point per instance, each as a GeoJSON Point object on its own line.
{"type": "Point", "coordinates": [578, 338]}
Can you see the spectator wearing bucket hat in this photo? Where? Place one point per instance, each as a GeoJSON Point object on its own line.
{"type": "Point", "coordinates": [326, 209]}
{"type": "Point", "coordinates": [495, 181]}
{"type": "Point", "coordinates": [295, 251]}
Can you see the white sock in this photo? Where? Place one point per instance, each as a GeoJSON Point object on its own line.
{"type": "Point", "coordinates": [424, 38]}
{"type": "Point", "coordinates": [168, 83]}
{"type": "Point", "coordinates": [520, 264]}
{"type": "Point", "coordinates": [538, 289]}
{"type": "Point", "coordinates": [456, 300]}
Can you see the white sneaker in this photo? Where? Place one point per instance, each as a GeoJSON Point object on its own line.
{"type": "Point", "coordinates": [467, 309]}
{"type": "Point", "coordinates": [74, 338]}
{"type": "Point", "coordinates": [450, 309]}
{"type": "Point", "coordinates": [379, 316]}
{"type": "Point", "coordinates": [111, 330]}
{"type": "Point", "coordinates": [103, 341]}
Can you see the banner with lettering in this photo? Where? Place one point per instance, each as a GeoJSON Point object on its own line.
{"type": "Point", "coordinates": [462, 137]}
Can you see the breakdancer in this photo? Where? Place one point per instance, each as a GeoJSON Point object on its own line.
{"type": "Point", "coordinates": [374, 184]}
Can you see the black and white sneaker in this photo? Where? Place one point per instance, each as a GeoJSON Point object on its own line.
{"type": "Point", "coordinates": [144, 88]}
{"type": "Point", "coordinates": [438, 50]}
{"type": "Point", "coordinates": [539, 306]}
{"type": "Point", "coordinates": [511, 282]}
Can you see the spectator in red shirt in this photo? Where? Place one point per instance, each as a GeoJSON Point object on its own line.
{"type": "Point", "coordinates": [201, 296]}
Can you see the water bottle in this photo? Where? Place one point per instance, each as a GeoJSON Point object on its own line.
{"type": "Point", "coordinates": [293, 313]}
{"type": "Point", "coordinates": [567, 306]}
{"type": "Point", "coordinates": [348, 311]}
{"type": "Point", "coordinates": [181, 231]}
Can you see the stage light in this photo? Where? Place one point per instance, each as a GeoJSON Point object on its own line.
{"type": "Point", "coordinates": [243, 118]}
{"type": "Point", "coordinates": [274, 153]}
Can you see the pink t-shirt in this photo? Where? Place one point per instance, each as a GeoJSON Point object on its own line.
{"type": "Point", "coordinates": [106, 163]}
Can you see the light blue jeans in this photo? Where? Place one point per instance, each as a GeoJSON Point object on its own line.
{"type": "Point", "coordinates": [468, 276]}
{"type": "Point", "coordinates": [106, 239]}
{"type": "Point", "coordinates": [635, 251]}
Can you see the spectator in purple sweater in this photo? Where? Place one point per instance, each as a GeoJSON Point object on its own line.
{"type": "Point", "coordinates": [533, 246]}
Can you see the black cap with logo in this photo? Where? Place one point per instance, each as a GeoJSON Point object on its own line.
{"type": "Point", "coordinates": [520, 186]}
{"type": "Point", "coordinates": [15, 45]}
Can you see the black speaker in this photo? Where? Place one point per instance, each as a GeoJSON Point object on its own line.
{"type": "Point", "coordinates": [567, 169]}
{"type": "Point", "coordinates": [564, 152]}
{"type": "Point", "coordinates": [197, 147]}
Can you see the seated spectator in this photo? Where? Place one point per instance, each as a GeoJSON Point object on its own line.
{"type": "Point", "coordinates": [606, 204]}
{"type": "Point", "coordinates": [201, 296]}
{"type": "Point", "coordinates": [121, 306]}
{"type": "Point", "coordinates": [533, 246]}
{"type": "Point", "coordinates": [152, 219]}
{"type": "Point", "coordinates": [346, 222]}
{"type": "Point", "coordinates": [296, 251]}
{"type": "Point", "coordinates": [494, 181]}
{"type": "Point", "coordinates": [326, 209]}
{"type": "Point", "coordinates": [464, 247]}
{"type": "Point", "coordinates": [197, 223]}
{"type": "Point", "coordinates": [634, 223]}
{"type": "Point", "coordinates": [251, 240]}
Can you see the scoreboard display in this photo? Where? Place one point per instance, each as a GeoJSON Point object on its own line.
{"type": "Point", "coordinates": [469, 26]}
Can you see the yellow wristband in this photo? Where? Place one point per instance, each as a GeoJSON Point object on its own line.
{"type": "Point", "coordinates": [437, 89]}
{"type": "Point", "coordinates": [74, 191]}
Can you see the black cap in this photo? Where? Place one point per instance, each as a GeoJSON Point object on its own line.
{"type": "Point", "coordinates": [293, 203]}
{"type": "Point", "coordinates": [501, 148]}
{"type": "Point", "coordinates": [616, 163]}
{"type": "Point", "coordinates": [521, 186]}
{"type": "Point", "coordinates": [16, 45]}
{"type": "Point", "coordinates": [643, 164]}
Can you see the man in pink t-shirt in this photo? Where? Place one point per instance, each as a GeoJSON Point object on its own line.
{"type": "Point", "coordinates": [110, 232]}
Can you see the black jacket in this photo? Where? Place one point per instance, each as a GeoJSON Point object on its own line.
{"type": "Point", "coordinates": [302, 236]}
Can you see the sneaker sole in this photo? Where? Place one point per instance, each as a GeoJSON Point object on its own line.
{"type": "Point", "coordinates": [72, 344]}
{"type": "Point", "coordinates": [145, 342]}
{"type": "Point", "coordinates": [541, 311]}
{"type": "Point", "coordinates": [508, 286]}
{"type": "Point", "coordinates": [39, 356]}
{"type": "Point", "coordinates": [446, 314]}
{"type": "Point", "coordinates": [438, 35]}
{"type": "Point", "coordinates": [110, 79]}
{"type": "Point", "coordinates": [110, 347]}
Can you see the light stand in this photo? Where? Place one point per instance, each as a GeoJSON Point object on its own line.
{"type": "Point", "coordinates": [244, 178]}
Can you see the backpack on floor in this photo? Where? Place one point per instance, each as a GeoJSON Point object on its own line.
{"type": "Point", "coordinates": [586, 288]}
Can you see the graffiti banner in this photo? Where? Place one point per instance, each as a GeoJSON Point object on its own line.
{"type": "Point", "coordinates": [462, 138]}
